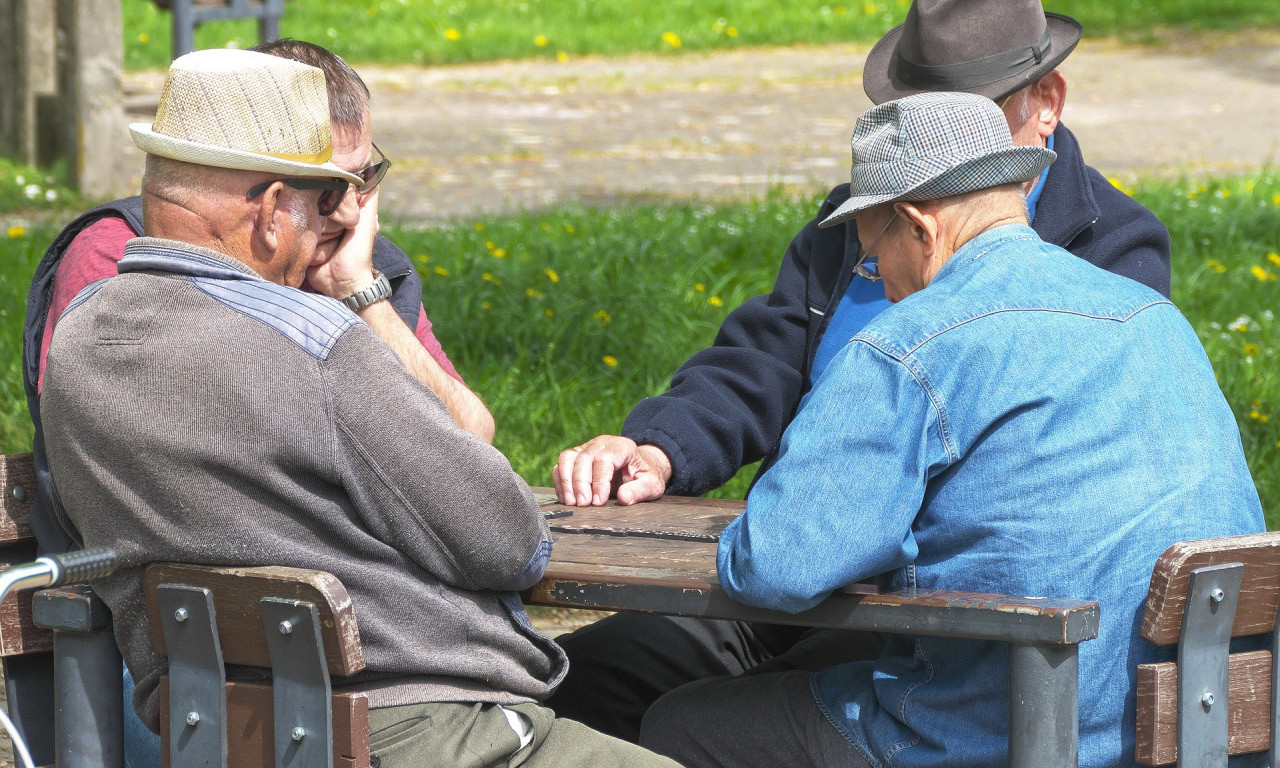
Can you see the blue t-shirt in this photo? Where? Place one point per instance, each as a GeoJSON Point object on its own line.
{"type": "Point", "coordinates": [864, 299]}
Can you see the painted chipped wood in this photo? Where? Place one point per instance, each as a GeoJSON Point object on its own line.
{"type": "Point", "coordinates": [237, 591]}
{"type": "Point", "coordinates": [1248, 708]}
{"type": "Point", "coordinates": [1259, 590]}
{"type": "Point", "coordinates": [18, 477]}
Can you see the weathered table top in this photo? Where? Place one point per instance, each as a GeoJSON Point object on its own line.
{"type": "Point", "coordinates": [660, 557]}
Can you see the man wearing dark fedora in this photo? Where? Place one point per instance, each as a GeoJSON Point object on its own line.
{"type": "Point", "coordinates": [729, 404]}
{"type": "Point", "coordinates": [989, 432]}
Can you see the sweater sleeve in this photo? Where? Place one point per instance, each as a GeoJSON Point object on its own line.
{"type": "Point", "coordinates": [728, 404]}
{"type": "Point", "coordinates": [440, 495]}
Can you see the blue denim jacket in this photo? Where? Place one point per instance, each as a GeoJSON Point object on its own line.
{"type": "Point", "coordinates": [1027, 424]}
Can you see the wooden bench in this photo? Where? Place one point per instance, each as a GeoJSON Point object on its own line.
{"type": "Point", "coordinates": [297, 623]}
{"type": "Point", "coordinates": [1211, 702]}
{"type": "Point", "coordinates": [189, 14]}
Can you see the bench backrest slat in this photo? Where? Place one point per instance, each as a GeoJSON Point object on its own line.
{"type": "Point", "coordinates": [18, 476]}
{"type": "Point", "coordinates": [1259, 591]}
{"type": "Point", "coordinates": [237, 591]}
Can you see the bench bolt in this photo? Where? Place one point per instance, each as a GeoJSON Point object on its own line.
{"type": "Point", "coordinates": [20, 492]}
{"type": "Point", "coordinates": [193, 718]}
{"type": "Point", "coordinates": [1217, 595]}
{"type": "Point", "coordinates": [298, 733]}
{"type": "Point", "coordinates": [286, 627]}
{"type": "Point", "coordinates": [1207, 699]}
{"type": "Point", "coordinates": [180, 614]}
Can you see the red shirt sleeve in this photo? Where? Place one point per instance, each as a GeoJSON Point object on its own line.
{"type": "Point", "coordinates": [91, 255]}
{"type": "Point", "coordinates": [432, 345]}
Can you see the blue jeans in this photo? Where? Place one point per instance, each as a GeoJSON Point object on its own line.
{"type": "Point", "coordinates": [141, 746]}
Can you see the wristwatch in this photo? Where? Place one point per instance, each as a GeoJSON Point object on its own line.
{"type": "Point", "coordinates": [378, 290]}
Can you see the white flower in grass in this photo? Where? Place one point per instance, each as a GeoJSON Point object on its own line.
{"type": "Point", "coordinates": [1240, 324]}
{"type": "Point", "coordinates": [32, 191]}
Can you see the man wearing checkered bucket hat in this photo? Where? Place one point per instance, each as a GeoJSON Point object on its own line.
{"type": "Point", "coordinates": [989, 432]}
{"type": "Point", "coordinates": [199, 407]}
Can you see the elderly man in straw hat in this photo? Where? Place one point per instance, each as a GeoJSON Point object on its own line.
{"type": "Point", "coordinates": [729, 404]}
{"type": "Point", "coordinates": [199, 407]}
{"type": "Point", "coordinates": [988, 432]}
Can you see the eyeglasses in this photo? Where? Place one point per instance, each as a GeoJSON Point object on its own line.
{"type": "Point", "coordinates": [372, 175]}
{"type": "Point", "coordinates": [867, 268]}
{"type": "Point", "coordinates": [330, 198]}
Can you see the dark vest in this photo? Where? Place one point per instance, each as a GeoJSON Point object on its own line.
{"type": "Point", "coordinates": [47, 518]}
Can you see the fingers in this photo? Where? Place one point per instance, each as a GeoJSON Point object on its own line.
{"type": "Point", "coordinates": [645, 487]}
{"type": "Point", "coordinates": [586, 475]}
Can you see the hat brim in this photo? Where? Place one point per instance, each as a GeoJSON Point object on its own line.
{"type": "Point", "coordinates": [932, 179]}
{"type": "Point", "coordinates": [153, 143]}
{"type": "Point", "coordinates": [1064, 31]}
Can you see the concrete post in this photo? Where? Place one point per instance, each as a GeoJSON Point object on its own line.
{"type": "Point", "coordinates": [90, 92]}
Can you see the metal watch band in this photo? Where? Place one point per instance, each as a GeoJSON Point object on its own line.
{"type": "Point", "coordinates": [378, 290]}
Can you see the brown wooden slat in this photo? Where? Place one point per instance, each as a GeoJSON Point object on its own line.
{"type": "Point", "coordinates": [676, 515]}
{"type": "Point", "coordinates": [18, 632]}
{"type": "Point", "coordinates": [1248, 708]}
{"type": "Point", "coordinates": [251, 720]}
{"type": "Point", "coordinates": [18, 476]}
{"type": "Point", "coordinates": [1259, 591]}
{"type": "Point", "coordinates": [237, 591]}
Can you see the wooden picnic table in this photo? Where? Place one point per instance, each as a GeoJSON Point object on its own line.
{"type": "Point", "coordinates": [660, 557]}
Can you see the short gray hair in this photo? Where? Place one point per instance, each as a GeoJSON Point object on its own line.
{"type": "Point", "coordinates": [348, 95]}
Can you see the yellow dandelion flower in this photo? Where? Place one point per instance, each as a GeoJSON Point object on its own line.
{"type": "Point", "coordinates": [562, 57]}
{"type": "Point", "coordinates": [699, 287]}
{"type": "Point", "coordinates": [488, 276]}
{"type": "Point", "coordinates": [1275, 200]}
{"type": "Point", "coordinates": [533, 293]}
{"type": "Point", "coordinates": [144, 38]}
{"type": "Point", "coordinates": [541, 41]}
{"type": "Point", "coordinates": [672, 39]}
{"type": "Point", "coordinates": [1216, 266]}
{"type": "Point", "coordinates": [1251, 349]}
{"type": "Point", "coordinates": [610, 361]}
{"type": "Point", "coordinates": [423, 258]}
{"type": "Point", "coordinates": [452, 35]}
{"type": "Point", "coordinates": [550, 312]}
{"type": "Point", "coordinates": [603, 317]}
{"type": "Point", "coordinates": [489, 244]}
{"type": "Point", "coordinates": [499, 253]}
{"type": "Point", "coordinates": [551, 275]}
{"type": "Point", "coordinates": [485, 305]}
{"type": "Point", "coordinates": [1225, 192]}
{"type": "Point", "coordinates": [1240, 324]}
{"type": "Point", "coordinates": [870, 9]}
{"type": "Point", "coordinates": [1261, 273]}
{"type": "Point", "coordinates": [1274, 258]}
{"type": "Point", "coordinates": [479, 227]}
{"type": "Point", "coordinates": [1259, 417]}
{"type": "Point", "coordinates": [441, 271]}
{"type": "Point", "coordinates": [1119, 185]}
{"type": "Point", "coordinates": [569, 228]}
{"type": "Point", "coordinates": [16, 231]}
{"type": "Point", "coordinates": [731, 31]}
{"type": "Point", "coordinates": [715, 301]}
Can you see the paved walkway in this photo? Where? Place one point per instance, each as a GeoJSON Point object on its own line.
{"type": "Point", "coordinates": [524, 135]}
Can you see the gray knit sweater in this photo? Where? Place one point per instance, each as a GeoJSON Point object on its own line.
{"type": "Point", "coordinates": [197, 413]}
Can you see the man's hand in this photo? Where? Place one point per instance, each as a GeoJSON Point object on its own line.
{"type": "Point", "coordinates": [350, 268]}
{"type": "Point", "coordinates": [589, 474]}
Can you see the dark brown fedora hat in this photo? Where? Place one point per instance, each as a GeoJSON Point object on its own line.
{"type": "Point", "coordinates": [988, 47]}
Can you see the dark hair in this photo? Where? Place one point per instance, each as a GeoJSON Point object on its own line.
{"type": "Point", "coordinates": [348, 95]}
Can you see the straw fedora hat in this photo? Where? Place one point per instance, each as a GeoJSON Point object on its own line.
{"type": "Point", "coordinates": [988, 47]}
{"type": "Point", "coordinates": [246, 111]}
{"type": "Point", "coordinates": [933, 145]}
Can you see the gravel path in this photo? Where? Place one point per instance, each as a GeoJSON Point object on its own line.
{"type": "Point", "coordinates": [524, 135]}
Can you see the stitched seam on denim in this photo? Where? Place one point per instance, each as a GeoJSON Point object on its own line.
{"type": "Point", "coordinates": [902, 703]}
{"type": "Point", "coordinates": [838, 724]}
{"type": "Point", "coordinates": [1055, 310]}
{"type": "Point", "coordinates": [922, 378]}
{"type": "Point", "coordinates": [1002, 242]}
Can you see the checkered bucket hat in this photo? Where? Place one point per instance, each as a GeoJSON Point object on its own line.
{"type": "Point", "coordinates": [933, 145]}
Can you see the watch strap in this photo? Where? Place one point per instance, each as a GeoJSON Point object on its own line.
{"type": "Point", "coordinates": [376, 291]}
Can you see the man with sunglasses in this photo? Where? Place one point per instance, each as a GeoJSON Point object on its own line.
{"type": "Point", "coordinates": [728, 406]}
{"type": "Point", "coordinates": [89, 248]}
{"type": "Point", "coordinates": [199, 407]}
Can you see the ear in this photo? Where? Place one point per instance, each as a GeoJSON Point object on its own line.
{"type": "Point", "coordinates": [921, 226]}
{"type": "Point", "coordinates": [1050, 94]}
{"type": "Point", "coordinates": [266, 224]}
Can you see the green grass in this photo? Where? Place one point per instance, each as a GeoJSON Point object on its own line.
{"type": "Point", "coordinates": [449, 31]}
{"type": "Point", "coordinates": [563, 320]}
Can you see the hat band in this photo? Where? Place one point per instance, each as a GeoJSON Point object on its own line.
{"type": "Point", "coordinates": [313, 158]}
{"type": "Point", "coordinates": [970, 74]}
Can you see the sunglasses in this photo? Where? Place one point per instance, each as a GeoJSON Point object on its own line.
{"type": "Point", "coordinates": [371, 175]}
{"type": "Point", "coordinates": [330, 198]}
